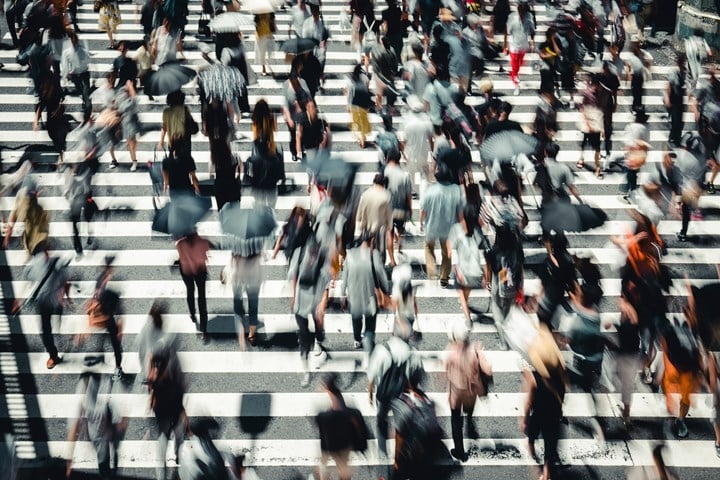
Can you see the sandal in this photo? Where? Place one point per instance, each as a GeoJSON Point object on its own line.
{"type": "Point", "coordinates": [599, 174]}
{"type": "Point", "coordinates": [580, 165]}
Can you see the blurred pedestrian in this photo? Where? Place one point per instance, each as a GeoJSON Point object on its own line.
{"type": "Point", "coordinates": [636, 65]}
{"type": "Point", "coordinates": [545, 385]}
{"type": "Point", "coordinates": [296, 93]}
{"type": "Point", "coordinates": [591, 125]}
{"type": "Point", "coordinates": [521, 32]}
{"type": "Point", "coordinates": [359, 102]}
{"type": "Point", "coordinates": [440, 208]}
{"type": "Point", "coordinates": [244, 273]}
{"type": "Point", "coordinates": [504, 270]}
{"type": "Point", "coordinates": [101, 418]}
{"type": "Point", "coordinates": [75, 67]}
{"type": "Point", "coordinates": [192, 250]}
{"type": "Point", "coordinates": [167, 389]}
{"type": "Point", "coordinates": [178, 125]}
{"type": "Point", "coordinates": [266, 161]}
{"type": "Point", "coordinates": [697, 52]}
{"type": "Point", "coordinates": [35, 218]}
{"type": "Point", "coordinates": [389, 369]}
{"type": "Point", "coordinates": [126, 104]}
{"type": "Point", "coordinates": [467, 239]}
{"type": "Point", "coordinates": [108, 19]}
{"type": "Point", "coordinates": [265, 27]}
{"type": "Point", "coordinates": [469, 374]}
{"type": "Point", "coordinates": [150, 335]}
{"type": "Point", "coordinates": [50, 292]}
{"type": "Point", "coordinates": [375, 218]}
{"type": "Point", "coordinates": [674, 100]}
{"type": "Point", "coordinates": [362, 275]}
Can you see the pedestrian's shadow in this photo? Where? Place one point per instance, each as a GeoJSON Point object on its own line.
{"type": "Point", "coordinates": [254, 417]}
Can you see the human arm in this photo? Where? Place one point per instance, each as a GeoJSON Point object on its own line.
{"type": "Point", "coordinates": [298, 140]}
{"type": "Point", "coordinates": [422, 220]}
{"type": "Point", "coordinates": [194, 180]}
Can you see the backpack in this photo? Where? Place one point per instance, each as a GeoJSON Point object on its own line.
{"type": "Point", "coordinates": [508, 276]}
{"type": "Point", "coordinates": [469, 270]}
{"type": "Point", "coordinates": [393, 381]}
{"type": "Point", "coordinates": [202, 461]}
{"type": "Point", "coordinates": [312, 261]}
{"type": "Point", "coordinates": [682, 347]}
{"type": "Point", "coordinates": [418, 425]}
{"type": "Point", "coordinates": [710, 116]}
{"type": "Point", "coordinates": [265, 170]}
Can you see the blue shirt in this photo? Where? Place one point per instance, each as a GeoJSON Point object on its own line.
{"type": "Point", "coordinates": [442, 204]}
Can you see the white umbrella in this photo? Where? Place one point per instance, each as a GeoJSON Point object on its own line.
{"type": "Point", "coordinates": [259, 6]}
{"type": "Point", "coordinates": [231, 22]}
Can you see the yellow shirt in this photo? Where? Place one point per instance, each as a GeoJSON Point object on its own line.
{"type": "Point", "coordinates": [262, 25]}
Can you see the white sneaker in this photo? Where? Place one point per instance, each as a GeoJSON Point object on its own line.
{"type": "Point", "coordinates": [305, 382]}
{"type": "Point", "coordinates": [133, 166]}
{"type": "Point", "coordinates": [516, 92]}
{"type": "Point", "coordinates": [318, 350]}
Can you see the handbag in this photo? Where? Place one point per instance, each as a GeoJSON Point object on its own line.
{"type": "Point", "coordinates": [370, 37]}
{"type": "Point", "coordinates": [204, 25]}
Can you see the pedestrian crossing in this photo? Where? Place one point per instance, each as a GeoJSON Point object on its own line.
{"type": "Point", "coordinates": [255, 395]}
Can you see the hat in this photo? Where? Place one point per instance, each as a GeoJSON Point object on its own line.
{"type": "Point", "coordinates": [544, 354]}
{"type": "Point", "coordinates": [485, 86]}
{"type": "Point", "coordinates": [415, 104]}
{"type": "Point", "coordinates": [457, 331]}
{"type": "Point", "coordinates": [473, 20]}
{"type": "Point", "coordinates": [446, 15]}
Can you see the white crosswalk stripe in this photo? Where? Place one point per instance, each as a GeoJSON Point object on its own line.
{"type": "Point", "coordinates": [263, 383]}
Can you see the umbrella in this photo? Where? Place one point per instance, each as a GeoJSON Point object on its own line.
{"type": "Point", "coordinates": [231, 22]}
{"type": "Point", "coordinates": [507, 144]}
{"type": "Point", "coordinates": [178, 218]}
{"type": "Point", "coordinates": [221, 82]}
{"type": "Point", "coordinates": [247, 223]}
{"type": "Point", "coordinates": [707, 314]}
{"type": "Point", "coordinates": [296, 46]}
{"type": "Point", "coordinates": [563, 22]}
{"type": "Point", "coordinates": [331, 171]}
{"type": "Point", "coordinates": [168, 78]}
{"type": "Point", "coordinates": [257, 7]}
{"type": "Point", "coordinates": [567, 217]}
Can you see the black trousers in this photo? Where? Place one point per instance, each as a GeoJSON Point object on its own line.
{"type": "Point", "coordinates": [676, 123]}
{"type": "Point", "coordinates": [113, 331]}
{"type": "Point", "coordinates": [608, 129]}
{"type": "Point", "coordinates": [305, 336]}
{"type": "Point", "coordinates": [46, 313]}
{"type": "Point", "coordinates": [637, 87]}
{"type": "Point", "coordinates": [190, 282]}
{"type": "Point", "coordinates": [456, 424]}
{"type": "Point", "coordinates": [11, 17]}
{"type": "Point", "coordinates": [685, 218]}
{"type": "Point", "coordinates": [82, 86]}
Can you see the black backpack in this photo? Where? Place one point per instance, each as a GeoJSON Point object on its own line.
{"type": "Point", "coordinates": [418, 424]}
{"type": "Point", "coordinates": [265, 170]}
{"type": "Point", "coordinates": [682, 347]}
{"type": "Point", "coordinates": [393, 381]}
{"type": "Point", "coordinates": [311, 262]}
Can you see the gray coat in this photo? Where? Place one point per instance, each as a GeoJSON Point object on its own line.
{"type": "Point", "coordinates": [358, 282]}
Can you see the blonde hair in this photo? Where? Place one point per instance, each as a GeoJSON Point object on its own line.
{"type": "Point", "coordinates": [264, 124]}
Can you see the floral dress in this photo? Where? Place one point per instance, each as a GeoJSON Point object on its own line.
{"type": "Point", "coordinates": [109, 16]}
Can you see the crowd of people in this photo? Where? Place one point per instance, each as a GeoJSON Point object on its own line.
{"type": "Point", "coordinates": [420, 61]}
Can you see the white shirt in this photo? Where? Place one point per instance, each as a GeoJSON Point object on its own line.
{"type": "Point", "coordinates": [417, 130]}
{"type": "Point", "coordinates": [519, 32]}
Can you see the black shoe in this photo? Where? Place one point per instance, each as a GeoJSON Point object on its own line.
{"type": "Point", "coordinates": [444, 284]}
{"type": "Point", "coordinates": [462, 456]}
{"type": "Point", "coordinates": [193, 318]}
{"type": "Point", "coordinates": [682, 237]}
{"type": "Point", "coordinates": [717, 450]}
{"type": "Point", "coordinates": [471, 433]}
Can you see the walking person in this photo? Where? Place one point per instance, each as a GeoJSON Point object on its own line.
{"type": "Point", "coordinates": [504, 269]}
{"type": "Point", "coordinates": [314, 27]}
{"type": "Point", "coordinates": [167, 390]}
{"type": "Point", "coordinates": [50, 293]}
{"type": "Point", "coordinates": [108, 19]}
{"type": "Point", "coordinates": [627, 354]}
{"type": "Point", "coordinates": [469, 374]}
{"type": "Point", "coordinates": [391, 366]}
{"type": "Point", "coordinates": [103, 309]}
{"type": "Point", "coordinates": [309, 275]}
{"type": "Point", "coordinates": [265, 27]}
{"type": "Point", "coordinates": [697, 52]}
{"type": "Point", "coordinates": [467, 240]}
{"type": "Point", "coordinates": [75, 67]}
{"type": "Point", "coordinates": [79, 194]}
{"type": "Point", "coordinates": [608, 84]}
{"type": "Point", "coordinates": [125, 102]}
{"type": "Point", "coordinates": [362, 275]}
{"type": "Point", "coordinates": [521, 32]}
{"type": "Point", "coordinates": [418, 133]}
{"type": "Point", "coordinates": [375, 218]}
{"type": "Point", "coordinates": [591, 126]}
{"type": "Point", "coordinates": [674, 100]}
{"type": "Point", "coordinates": [178, 125]}
{"type": "Point", "coordinates": [359, 102]}
{"type": "Point", "coordinates": [296, 93]}
{"type": "Point", "coordinates": [636, 64]}
{"type": "Point", "coordinates": [192, 250]}
{"type": "Point", "coordinates": [267, 160]}
{"type": "Point", "coordinates": [559, 277]}
{"type": "Point", "coordinates": [339, 430]}
{"type": "Point", "coordinates": [27, 209]}
{"type": "Point", "coordinates": [150, 334]}
{"type": "Point", "coordinates": [101, 418]}
{"type": "Point", "coordinates": [545, 387]}
{"type": "Point", "coordinates": [440, 208]}
{"type": "Point", "coordinates": [244, 273]}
